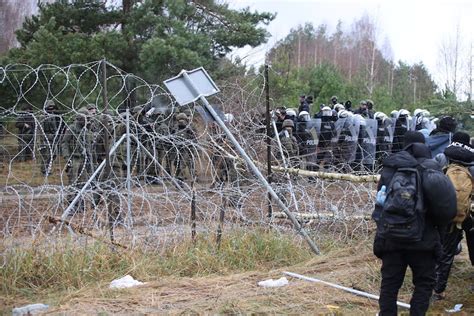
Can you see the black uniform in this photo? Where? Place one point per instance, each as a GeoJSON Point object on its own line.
{"type": "Point", "coordinates": [401, 127]}
{"type": "Point", "coordinates": [328, 131]}
{"type": "Point", "coordinates": [306, 145]}
{"type": "Point", "coordinates": [384, 145]}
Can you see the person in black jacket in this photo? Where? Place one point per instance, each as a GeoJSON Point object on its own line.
{"type": "Point", "coordinates": [421, 255]}
{"type": "Point", "coordinates": [364, 110]}
{"type": "Point", "coordinates": [305, 103]}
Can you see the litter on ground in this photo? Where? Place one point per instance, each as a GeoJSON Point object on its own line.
{"type": "Point", "coordinates": [125, 282]}
{"type": "Point", "coordinates": [273, 283]}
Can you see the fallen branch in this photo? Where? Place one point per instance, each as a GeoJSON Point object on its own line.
{"type": "Point", "coordinates": [82, 230]}
{"type": "Point", "coordinates": [316, 174]}
{"type": "Point", "coordinates": [309, 216]}
{"type": "Point", "coordinates": [329, 175]}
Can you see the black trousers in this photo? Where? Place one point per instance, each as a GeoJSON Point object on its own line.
{"type": "Point", "coordinates": [468, 228]}
{"type": "Point", "coordinates": [394, 266]}
{"type": "Point", "coordinates": [450, 239]}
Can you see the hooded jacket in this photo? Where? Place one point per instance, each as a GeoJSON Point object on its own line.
{"type": "Point", "coordinates": [412, 156]}
{"type": "Point", "coordinates": [457, 153]}
{"type": "Point", "coordinates": [438, 142]}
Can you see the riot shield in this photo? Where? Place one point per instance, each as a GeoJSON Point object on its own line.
{"type": "Point", "coordinates": [401, 127]}
{"type": "Point", "coordinates": [339, 124]}
{"type": "Point", "coordinates": [413, 122]}
{"type": "Point", "coordinates": [314, 127]}
{"type": "Point", "coordinates": [390, 127]}
{"type": "Point", "coordinates": [347, 140]}
{"type": "Point", "coordinates": [307, 144]}
{"type": "Point", "coordinates": [385, 132]}
{"type": "Point", "coordinates": [368, 141]}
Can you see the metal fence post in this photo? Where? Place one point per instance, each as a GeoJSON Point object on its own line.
{"type": "Point", "coordinates": [129, 163]}
{"type": "Point", "coordinates": [252, 166]}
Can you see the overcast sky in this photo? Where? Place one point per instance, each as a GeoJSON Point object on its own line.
{"type": "Point", "coordinates": [415, 28]}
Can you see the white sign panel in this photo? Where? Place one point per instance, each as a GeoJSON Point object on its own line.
{"type": "Point", "coordinates": [186, 92]}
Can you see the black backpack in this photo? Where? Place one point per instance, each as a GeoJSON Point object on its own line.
{"type": "Point", "coordinates": [403, 213]}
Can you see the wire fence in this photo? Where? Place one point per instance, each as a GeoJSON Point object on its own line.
{"type": "Point", "coordinates": [90, 151]}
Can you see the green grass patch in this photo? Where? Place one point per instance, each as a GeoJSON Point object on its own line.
{"type": "Point", "coordinates": [26, 272]}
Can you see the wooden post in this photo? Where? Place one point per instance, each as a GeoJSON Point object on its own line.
{"type": "Point", "coordinates": [221, 223]}
{"type": "Point", "coordinates": [193, 216]}
{"type": "Point", "coordinates": [269, 141]}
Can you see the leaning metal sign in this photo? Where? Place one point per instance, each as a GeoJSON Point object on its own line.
{"type": "Point", "coordinates": [183, 91]}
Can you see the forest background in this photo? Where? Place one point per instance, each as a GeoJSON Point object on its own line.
{"type": "Point", "coordinates": [156, 39]}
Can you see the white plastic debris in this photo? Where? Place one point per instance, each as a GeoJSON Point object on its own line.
{"type": "Point", "coordinates": [29, 309]}
{"type": "Point", "coordinates": [273, 283]}
{"type": "Point", "coordinates": [457, 308]}
{"type": "Point", "coordinates": [125, 282]}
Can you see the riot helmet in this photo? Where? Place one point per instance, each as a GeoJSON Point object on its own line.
{"type": "Point", "coordinates": [338, 107]}
{"type": "Point", "coordinates": [344, 114]}
{"type": "Point", "coordinates": [326, 111]}
{"type": "Point", "coordinates": [394, 114]}
{"type": "Point", "coordinates": [403, 113]}
{"type": "Point", "coordinates": [303, 116]}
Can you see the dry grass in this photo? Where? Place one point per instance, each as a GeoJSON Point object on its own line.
{"type": "Point", "coordinates": [32, 273]}
{"type": "Point", "coordinates": [195, 283]}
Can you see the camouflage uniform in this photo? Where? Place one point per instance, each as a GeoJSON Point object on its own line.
{"type": "Point", "coordinates": [161, 132]}
{"type": "Point", "coordinates": [111, 179]}
{"type": "Point", "coordinates": [77, 148]}
{"type": "Point", "coordinates": [289, 144]}
{"type": "Point", "coordinates": [138, 129]}
{"type": "Point", "coordinates": [150, 168]}
{"type": "Point", "coordinates": [219, 161]}
{"type": "Point", "coordinates": [50, 137]}
{"type": "Point", "coordinates": [183, 153]}
{"type": "Point", "coordinates": [26, 130]}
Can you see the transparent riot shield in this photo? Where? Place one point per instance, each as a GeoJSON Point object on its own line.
{"type": "Point", "coordinates": [306, 137]}
{"type": "Point", "coordinates": [390, 128]}
{"type": "Point", "coordinates": [384, 139]}
{"type": "Point", "coordinates": [368, 143]}
{"type": "Point", "coordinates": [348, 140]}
{"type": "Point", "coordinates": [339, 124]}
{"type": "Point", "coordinates": [414, 121]}
{"type": "Point", "coordinates": [314, 127]}
{"type": "Point", "coordinates": [401, 127]}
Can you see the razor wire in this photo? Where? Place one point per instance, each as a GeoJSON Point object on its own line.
{"type": "Point", "coordinates": [60, 123]}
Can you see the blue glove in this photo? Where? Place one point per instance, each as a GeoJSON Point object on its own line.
{"type": "Point", "coordinates": [381, 196]}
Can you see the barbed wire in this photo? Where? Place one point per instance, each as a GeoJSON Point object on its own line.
{"type": "Point", "coordinates": [102, 150]}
